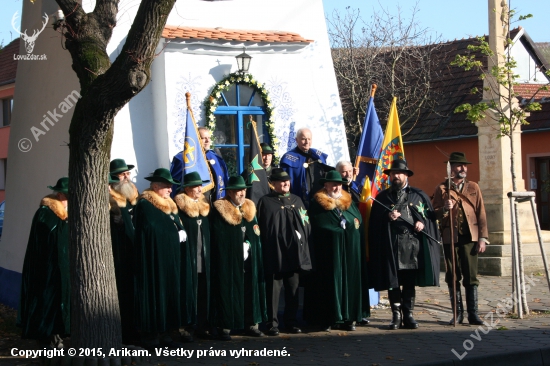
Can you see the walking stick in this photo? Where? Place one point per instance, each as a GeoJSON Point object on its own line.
{"type": "Point", "coordinates": [453, 269]}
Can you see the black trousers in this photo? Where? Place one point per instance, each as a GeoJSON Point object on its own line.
{"type": "Point", "coordinates": [406, 279]}
{"type": "Point", "coordinates": [466, 264]}
{"type": "Point", "coordinates": [273, 285]}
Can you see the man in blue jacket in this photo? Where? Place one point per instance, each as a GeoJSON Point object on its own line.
{"type": "Point", "coordinates": [305, 166]}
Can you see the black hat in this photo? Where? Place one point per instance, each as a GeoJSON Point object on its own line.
{"type": "Point", "coordinates": [458, 158]}
{"type": "Point", "coordinates": [193, 179]}
{"type": "Point", "coordinates": [279, 175]}
{"type": "Point", "coordinates": [118, 166]}
{"type": "Point", "coordinates": [62, 186]}
{"type": "Point", "coordinates": [399, 165]}
{"type": "Point", "coordinates": [162, 175]}
{"type": "Point", "coordinates": [333, 176]}
{"type": "Point", "coordinates": [266, 149]}
{"type": "Point", "coordinates": [236, 182]}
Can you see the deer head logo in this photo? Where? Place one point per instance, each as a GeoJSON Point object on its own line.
{"type": "Point", "coordinates": [29, 40]}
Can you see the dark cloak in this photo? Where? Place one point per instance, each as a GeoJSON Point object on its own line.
{"type": "Point", "coordinates": [191, 213]}
{"type": "Point", "coordinates": [122, 239]}
{"type": "Point", "coordinates": [44, 307]}
{"type": "Point", "coordinates": [383, 261]}
{"type": "Point", "coordinates": [157, 258]}
{"type": "Point", "coordinates": [279, 218]}
{"type": "Point", "coordinates": [336, 288]}
{"type": "Point", "coordinates": [227, 268]}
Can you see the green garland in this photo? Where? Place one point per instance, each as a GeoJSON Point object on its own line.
{"type": "Point", "coordinates": [215, 99]}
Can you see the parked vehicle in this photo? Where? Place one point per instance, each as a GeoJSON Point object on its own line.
{"type": "Point", "coordinates": [2, 216]}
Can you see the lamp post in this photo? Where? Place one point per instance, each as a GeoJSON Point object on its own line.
{"type": "Point", "coordinates": [243, 62]}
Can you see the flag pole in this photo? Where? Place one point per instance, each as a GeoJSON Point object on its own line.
{"type": "Point", "coordinates": [210, 185]}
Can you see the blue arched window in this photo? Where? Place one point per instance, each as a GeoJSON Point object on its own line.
{"type": "Point", "coordinates": [238, 106]}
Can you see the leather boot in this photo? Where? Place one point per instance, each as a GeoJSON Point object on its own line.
{"type": "Point", "coordinates": [407, 306]}
{"type": "Point", "coordinates": [459, 306]}
{"type": "Point", "coordinates": [394, 296]}
{"type": "Point", "coordinates": [471, 304]}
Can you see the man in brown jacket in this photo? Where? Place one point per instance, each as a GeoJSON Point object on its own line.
{"type": "Point", "coordinates": [469, 231]}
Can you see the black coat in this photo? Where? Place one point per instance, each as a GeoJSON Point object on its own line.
{"type": "Point", "coordinates": [383, 263]}
{"type": "Point", "coordinates": [279, 218]}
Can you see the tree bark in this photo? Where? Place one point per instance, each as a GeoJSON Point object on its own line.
{"type": "Point", "coordinates": [105, 89]}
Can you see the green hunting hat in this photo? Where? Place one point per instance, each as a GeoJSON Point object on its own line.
{"type": "Point", "coordinates": [266, 149]}
{"type": "Point", "coordinates": [193, 179]}
{"type": "Point", "coordinates": [162, 175]}
{"type": "Point", "coordinates": [236, 182]}
{"type": "Point", "coordinates": [333, 176]}
{"type": "Point", "coordinates": [113, 179]}
{"type": "Point", "coordinates": [399, 165]}
{"type": "Point", "coordinates": [278, 174]}
{"type": "Point", "coordinates": [458, 158]}
{"type": "Point", "coordinates": [118, 166]}
{"type": "Point", "coordinates": [62, 186]}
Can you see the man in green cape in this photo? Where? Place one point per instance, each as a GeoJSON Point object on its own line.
{"type": "Point", "coordinates": [337, 287]}
{"type": "Point", "coordinates": [195, 260]}
{"type": "Point", "coordinates": [44, 307]}
{"type": "Point", "coordinates": [238, 285]}
{"type": "Point", "coordinates": [121, 195]}
{"type": "Point", "coordinates": [159, 233]}
{"type": "Point", "coordinates": [400, 252]}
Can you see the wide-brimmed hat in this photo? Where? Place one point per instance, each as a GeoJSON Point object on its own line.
{"type": "Point", "coordinates": [399, 165]}
{"type": "Point", "coordinates": [113, 179]}
{"type": "Point", "coordinates": [333, 176]}
{"type": "Point", "coordinates": [266, 149]}
{"type": "Point", "coordinates": [118, 166]}
{"type": "Point", "coordinates": [279, 175]}
{"type": "Point", "coordinates": [458, 157]}
{"type": "Point", "coordinates": [162, 175]}
{"type": "Point", "coordinates": [62, 186]}
{"type": "Point", "coordinates": [236, 182]}
{"type": "Point", "coordinates": [193, 179]}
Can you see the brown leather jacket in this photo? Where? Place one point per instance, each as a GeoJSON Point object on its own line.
{"type": "Point", "coordinates": [474, 211]}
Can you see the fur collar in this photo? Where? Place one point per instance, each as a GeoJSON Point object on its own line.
{"type": "Point", "coordinates": [55, 205]}
{"type": "Point", "coordinates": [190, 207]}
{"type": "Point", "coordinates": [231, 214]}
{"type": "Point", "coordinates": [329, 204]}
{"type": "Point", "coordinates": [165, 205]}
{"type": "Point", "coordinates": [118, 198]}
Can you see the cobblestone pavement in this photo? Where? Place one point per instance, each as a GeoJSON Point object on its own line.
{"type": "Point", "coordinates": [516, 341]}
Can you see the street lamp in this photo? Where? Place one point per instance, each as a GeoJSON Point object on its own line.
{"type": "Point", "coordinates": [243, 62]}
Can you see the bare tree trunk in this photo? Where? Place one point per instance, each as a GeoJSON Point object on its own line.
{"type": "Point", "coordinates": [105, 89]}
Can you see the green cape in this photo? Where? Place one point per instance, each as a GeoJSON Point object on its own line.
{"type": "Point", "coordinates": [44, 308]}
{"type": "Point", "coordinates": [228, 266]}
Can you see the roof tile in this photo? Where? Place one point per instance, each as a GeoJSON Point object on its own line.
{"type": "Point", "coordinates": [171, 32]}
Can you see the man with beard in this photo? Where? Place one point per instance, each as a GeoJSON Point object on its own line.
{"type": "Point", "coordinates": [195, 270]}
{"type": "Point", "coordinates": [400, 252]}
{"type": "Point", "coordinates": [125, 186]}
{"type": "Point", "coordinates": [470, 234]}
{"type": "Point", "coordinates": [285, 229]}
{"type": "Point", "coordinates": [337, 287]}
{"type": "Point", "coordinates": [305, 166]}
{"type": "Point", "coordinates": [122, 241]}
{"type": "Point", "coordinates": [45, 304]}
{"type": "Point", "coordinates": [158, 235]}
{"type": "Point", "coordinates": [238, 285]}
{"type": "Point", "coordinates": [346, 170]}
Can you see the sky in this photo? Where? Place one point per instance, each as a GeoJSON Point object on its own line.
{"type": "Point", "coordinates": [448, 19]}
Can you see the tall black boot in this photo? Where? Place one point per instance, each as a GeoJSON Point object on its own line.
{"type": "Point", "coordinates": [459, 306]}
{"type": "Point", "coordinates": [394, 295]}
{"type": "Point", "coordinates": [408, 306]}
{"type": "Point", "coordinates": [471, 304]}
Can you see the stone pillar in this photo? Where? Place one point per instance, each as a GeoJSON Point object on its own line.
{"type": "Point", "coordinates": [496, 174]}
